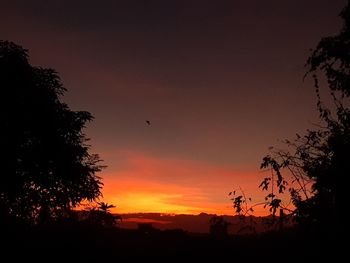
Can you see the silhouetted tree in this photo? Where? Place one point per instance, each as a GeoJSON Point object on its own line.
{"type": "Point", "coordinates": [102, 216]}
{"type": "Point", "coordinates": [241, 203]}
{"type": "Point", "coordinates": [46, 167]}
{"type": "Point", "coordinates": [218, 226]}
{"type": "Point", "coordinates": [315, 167]}
{"type": "Point", "coordinates": [244, 208]}
{"type": "Point", "coordinates": [105, 207]}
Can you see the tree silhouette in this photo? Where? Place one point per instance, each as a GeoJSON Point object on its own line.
{"type": "Point", "coordinates": [218, 226]}
{"type": "Point", "coordinates": [315, 167]}
{"type": "Point", "coordinates": [46, 167]}
{"type": "Point", "coordinates": [105, 207]}
{"type": "Point", "coordinates": [102, 216]}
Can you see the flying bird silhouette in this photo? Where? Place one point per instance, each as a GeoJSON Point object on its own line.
{"type": "Point", "coordinates": [148, 122]}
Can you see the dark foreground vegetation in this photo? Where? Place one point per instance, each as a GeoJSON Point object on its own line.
{"type": "Point", "coordinates": [72, 242]}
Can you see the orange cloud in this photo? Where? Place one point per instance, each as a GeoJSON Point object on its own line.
{"type": "Point", "coordinates": [149, 184]}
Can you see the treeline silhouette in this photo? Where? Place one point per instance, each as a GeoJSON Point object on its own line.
{"type": "Point", "coordinates": [46, 169]}
{"type": "Point", "coordinates": [74, 241]}
{"type": "Point", "coordinates": [313, 168]}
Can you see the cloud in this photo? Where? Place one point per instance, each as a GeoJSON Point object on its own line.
{"type": "Point", "coordinates": [145, 183]}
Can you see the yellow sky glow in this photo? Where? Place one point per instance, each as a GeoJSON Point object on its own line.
{"type": "Point", "coordinates": [148, 184]}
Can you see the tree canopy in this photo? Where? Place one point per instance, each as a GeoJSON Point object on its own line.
{"type": "Point", "coordinates": [315, 165]}
{"type": "Point", "coordinates": [46, 168]}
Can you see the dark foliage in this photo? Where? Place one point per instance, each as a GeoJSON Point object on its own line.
{"type": "Point", "coordinates": [76, 242]}
{"type": "Point", "coordinates": [46, 167]}
{"type": "Point", "coordinates": [101, 215]}
{"type": "Point", "coordinates": [218, 226]}
{"type": "Point", "coordinates": [316, 165]}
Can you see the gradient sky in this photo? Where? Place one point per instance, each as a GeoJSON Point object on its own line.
{"type": "Point", "coordinates": [220, 81]}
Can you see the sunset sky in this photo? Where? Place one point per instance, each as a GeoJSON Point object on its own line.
{"type": "Point", "coordinates": [220, 82]}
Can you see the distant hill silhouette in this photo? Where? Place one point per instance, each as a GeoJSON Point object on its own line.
{"type": "Point", "coordinates": [193, 223]}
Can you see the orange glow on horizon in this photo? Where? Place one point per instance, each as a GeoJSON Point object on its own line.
{"type": "Point", "coordinates": [156, 185]}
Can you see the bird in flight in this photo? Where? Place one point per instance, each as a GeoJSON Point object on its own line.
{"type": "Point", "coordinates": [148, 122]}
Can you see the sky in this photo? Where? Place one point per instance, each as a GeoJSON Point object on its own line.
{"type": "Point", "coordinates": [219, 81]}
